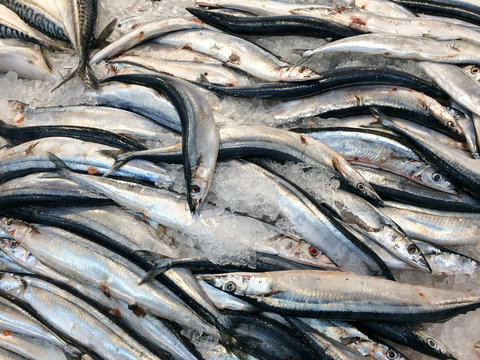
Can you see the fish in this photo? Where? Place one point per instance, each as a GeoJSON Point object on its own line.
{"type": "Point", "coordinates": [24, 59]}
{"type": "Point", "coordinates": [79, 18]}
{"type": "Point", "coordinates": [40, 14]}
{"type": "Point", "coordinates": [403, 47]}
{"type": "Point", "coordinates": [395, 101]}
{"type": "Point", "coordinates": [42, 296]}
{"type": "Point", "coordinates": [286, 25]}
{"type": "Point", "coordinates": [145, 32]}
{"type": "Point", "coordinates": [239, 54]}
{"type": "Point", "coordinates": [31, 348]}
{"type": "Point", "coordinates": [200, 135]}
{"type": "Point", "coordinates": [343, 296]}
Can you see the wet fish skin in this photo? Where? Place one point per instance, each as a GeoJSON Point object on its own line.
{"type": "Point", "coordinates": [344, 296]}
{"type": "Point", "coordinates": [31, 348]}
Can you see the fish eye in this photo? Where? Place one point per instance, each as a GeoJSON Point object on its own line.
{"type": "Point", "coordinates": [196, 189]}
{"type": "Point", "coordinates": [13, 244]}
{"type": "Point", "coordinates": [9, 221]}
{"type": "Point", "coordinates": [475, 70]}
{"type": "Point", "coordinates": [432, 343]}
{"type": "Point", "coordinates": [230, 287]}
{"type": "Point", "coordinates": [451, 124]}
{"type": "Point", "coordinates": [412, 249]}
{"type": "Point", "coordinates": [361, 187]}
{"type": "Point", "coordinates": [313, 251]}
{"type": "Point", "coordinates": [436, 177]}
{"type": "Point", "coordinates": [391, 354]}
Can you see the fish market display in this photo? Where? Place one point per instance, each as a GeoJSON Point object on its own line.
{"type": "Point", "coordinates": [239, 179]}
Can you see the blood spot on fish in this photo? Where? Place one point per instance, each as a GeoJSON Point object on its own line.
{"type": "Point", "coordinates": [234, 59]}
{"type": "Point", "coordinates": [140, 35]}
{"type": "Point", "coordinates": [134, 26]}
{"type": "Point", "coordinates": [357, 21]}
{"type": "Point", "coordinates": [7, 332]}
{"type": "Point", "coordinates": [303, 139]}
{"type": "Point", "coordinates": [138, 311]}
{"type": "Point", "coordinates": [115, 313]}
{"type": "Point", "coordinates": [205, 73]}
{"type": "Point", "coordinates": [394, 89]}
{"type": "Point", "coordinates": [29, 150]}
{"type": "Point", "coordinates": [187, 47]}
{"type": "Point", "coordinates": [144, 216]}
{"type": "Point", "coordinates": [92, 170]}
{"type": "Point", "coordinates": [105, 291]}
{"type": "Point", "coordinates": [231, 85]}
{"type": "Point", "coordinates": [358, 99]}
{"type": "Point", "coordinates": [19, 118]}
{"type": "Point", "coordinates": [421, 294]}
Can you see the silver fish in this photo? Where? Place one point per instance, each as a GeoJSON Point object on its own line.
{"type": "Point", "coordinates": [402, 47]}
{"type": "Point", "coordinates": [170, 53]}
{"type": "Point", "coordinates": [30, 348]}
{"type": "Point", "coordinates": [239, 54]}
{"type": "Point", "coordinates": [24, 59]}
{"type": "Point", "coordinates": [77, 319]}
{"type": "Point", "coordinates": [344, 295]}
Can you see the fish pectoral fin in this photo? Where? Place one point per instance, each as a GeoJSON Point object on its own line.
{"type": "Point", "coordinates": [149, 255]}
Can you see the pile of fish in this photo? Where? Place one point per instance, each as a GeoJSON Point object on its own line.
{"type": "Point", "coordinates": [205, 198]}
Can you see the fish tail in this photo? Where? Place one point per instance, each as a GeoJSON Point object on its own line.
{"type": "Point", "coordinates": [62, 168]}
{"type": "Point", "coordinates": [85, 72]}
{"type": "Point", "coordinates": [161, 265]}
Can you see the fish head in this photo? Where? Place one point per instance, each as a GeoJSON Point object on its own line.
{"type": "Point", "coordinates": [296, 73]}
{"type": "Point", "coordinates": [473, 71]}
{"type": "Point", "coordinates": [296, 250]}
{"type": "Point", "coordinates": [12, 284]}
{"type": "Point", "coordinates": [15, 228]}
{"type": "Point", "coordinates": [434, 179]}
{"type": "Point", "coordinates": [199, 185]}
{"type": "Point", "coordinates": [240, 284]}
{"type": "Point", "coordinates": [15, 251]}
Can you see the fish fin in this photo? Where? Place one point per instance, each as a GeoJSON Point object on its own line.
{"type": "Point", "coordinates": [45, 58]}
{"type": "Point", "coordinates": [110, 153]}
{"type": "Point", "coordinates": [160, 267]}
{"type": "Point", "coordinates": [62, 167]}
{"type": "Point", "coordinates": [89, 77]}
{"type": "Point", "coordinates": [105, 33]}
{"type": "Point", "coordinates": [149, 255]}
{"type": "Point", "coordinates": [381, 117]}
{"type": "Point", "coordinates": [117, 165]}
{"type": "Point", "coordinates": [66, 79]}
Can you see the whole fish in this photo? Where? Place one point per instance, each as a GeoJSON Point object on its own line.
{"type": "Point", "coordinates": [395, 101]}
{"type": "Point", "coordinates": [144, 33]}
{"type": "Point", "coordinates": [239, 54]}
{"type": "Point", "coordinates": [121, 122]}
{"type": "Point", "coordinates": [366, 21]}
{"type": "Point", "coordinates": [442, 228]}
{"type": "Point", "coordinates": [344, 296]}
{"type": "Point", "coordinates": [76, 319]}
{"type": "Point", "coordinates": [259, 140]}
{"type": "Point", "coordinates": [403, 47]}
{"type": "Point", "coordinates": [41, 14]}
{"type": "Point", "coordinates": [273, 25]}
{"type": "Point", "coordinates": [200, 136]}
{"type": "Point", "coordinates": [24, 59]}
{"type": "Point", "coordinates": [84, 156]}
{"type": "Point", "coordinates": [12, 26]}
{"type": "Point", "coordinates": [79, 18]}
{"type": "Point", "coordinates": [191, 71]}
{"type": "Point", "coordinates": [123, 277]}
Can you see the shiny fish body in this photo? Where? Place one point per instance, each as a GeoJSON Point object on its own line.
{"type": "Point", "coordinates": [354, 338]}
{"type": "Point", "coordinates": [398, 188]}
{"type": "Point", "coordinates": [191, 71]}
{"type": "Point", "coordinates": [107, 271]}
{"type": "Point", "coordinates": [257, 140]}
{"type": "Point", "coordinates": [75, 318]}
{"type": "Point", "coordinates": [239, 54]}
{"type": "Point", "coordinates": [370, 148]}
{"type": "Point", "coordinates": [8, 355]}
{"type": "Point", "coordinates": [44, 189]}
{"type": "Point", "coordinates": [345, 296]}
{"type": "Point", "coordinates": [170, 53]}
{"type": "Point", "coordinates": [11, 25]}
{"type": "Point", "coordinates": [438, 227]}
{"type": "Point", "coordinates": [7, 264]}
{"type": "Point", "coordinates": [200, 136]}
{"type": "Point", "coordinates": [146, 32]}
{"type": "Point", "coordinates": [138, 99]}
{"type": "Point", "coordinates": [14, 318]}
{"type": "Point", "coordinates": [397, 101]}
{"type": "Point", "coordinates": [158, 332]}
{"type": "Point", "coordinates": [366, 21]}
{"type": "Point", "coordinates": [402, 47]}
{"type": "Point", "coordinates": [464, 169]}
{"type": "Point", "coordinates": [31, 348]}
{"type": "Point", "coordinates": [82, 156]}
{"type": "Point", "coordinates": [118, 121]}
{"type": "Point", "coordinates": [41, 14]}
{"type": "Point", "coordinates": [26, 60]}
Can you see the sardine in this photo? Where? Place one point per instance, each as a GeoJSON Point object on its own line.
{"type": "Point", "coordinates": [24, 59]}
{"type": "Point", "coordinates": [344, 296]}
{"type": "Point", "coordinates": [403, 47]}
{"type": "Point", "coordinates": [239, 54]}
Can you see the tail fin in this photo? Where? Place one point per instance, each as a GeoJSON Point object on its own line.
{"type": "Point", "coordinates": [85, 72]}
{"type": "Point", "coordinates": [62, 168]}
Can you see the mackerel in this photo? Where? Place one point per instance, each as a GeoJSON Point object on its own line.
{"type": "Point", "coordinates": [344, 296]}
